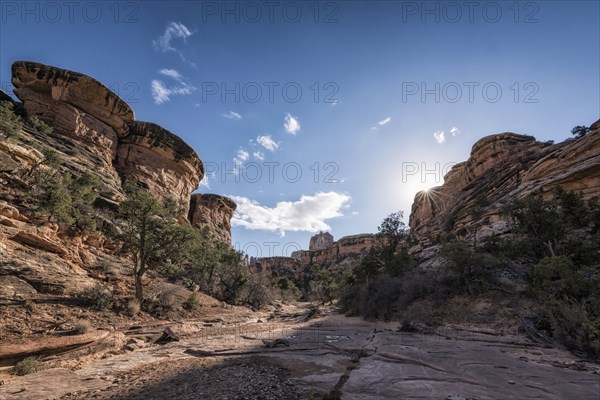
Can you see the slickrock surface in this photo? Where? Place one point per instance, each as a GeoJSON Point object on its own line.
{"type": "Point", "coordinates": [345, 358]}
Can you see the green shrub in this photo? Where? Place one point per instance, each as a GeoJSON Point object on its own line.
{"type": "Point", "coordinates": [553, 276]}
{"type": "Point", "coordinates": [472, 271]}
{"type": "Point", "coordinates": [71, 200]}
{"type": "Point", "coordinates": [96, 297]}
{"type": "Point", "coordinates": [40, 125]}
{"type": "Point", "coordinates": [133, 308]}
{"type": "Point", "coordinates": [158, 308]}
{"type": "Point", "coordinates": [257, 291]}
{"type": "Point", "coordinates": [106, 267]}
{"type": "Point", "coordinates": [10, 122]}
{"type": "Point", "coordinates": [82, 326]}
{"type": "Point", "coordinates": [27, 366]}
{"type": "Point", "coordinates": [575, 327]}
{"type": "Point", "coordinates": [192, 302]}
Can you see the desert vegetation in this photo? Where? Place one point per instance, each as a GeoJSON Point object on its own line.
{"type": "Point", "coordinates": [552, 256]}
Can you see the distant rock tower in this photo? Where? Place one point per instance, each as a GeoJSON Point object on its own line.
{"type": "Point", "coordinates": [320, 241]}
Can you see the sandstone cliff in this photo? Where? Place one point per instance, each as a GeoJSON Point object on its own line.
{"type": "Point", "coordinates": [94, 131]}
{"type": "Point", "coordinates": [342, 254]}
{"type": "Point", "coordinates": [90, 120]}
{"type": "Point", "coordinates": [212, 212]}
{"type": "Point", "coordinates": [500, 168]}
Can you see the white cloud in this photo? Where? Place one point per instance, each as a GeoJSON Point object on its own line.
{"type": "Point", "coordinates": [174, 30]}
{"type": "Point", "coordinates": [267, 142]}
{"type": "Point", "coordinates": [241, 157]}
{"type": "Point", "coordinates": [440, 136]}
{"type": "Point", "coordinates": [232, 115]}
{"type": "Point", "coordinates": [454, 131]}
{"type": "Point", "coordinates": [291, 124]}
{"type": "Point", "coordinates": [161, 93]}
{"type": "Point", "coordinates": [307, 214]}
{"type": "Point", "coordinates": [259, 155]}
{"type": "Point", "coordinates": [384, 121]}
{"type": "Point", "coordinates": [171, 73]}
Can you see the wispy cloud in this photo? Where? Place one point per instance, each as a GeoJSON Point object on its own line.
{"type": "Point", "coordinates": [241, 157]}
{"type": "Point", "coordinates": [232, 115]}
{"type": "Point", "coordinates": [173, 30]}
{"type": "Point", "coordinates": [171, 73]}
{"type": "Point", "coordinates": [439, 136]}
{"type": "Point", "coordinates": [454, 131]}
{"type": "Point", "coordinates": [384, 121]}
{"type": "Point", "coordinates": [162, 92]}
{"type": "Point", "coordinates": [291, 124]}
{"type": "Point", "coordinates": [259, 155]}
{"type": "Point", "coordinates": [308, 214]}
{"type": "Point", "coordinates": [267, 142]}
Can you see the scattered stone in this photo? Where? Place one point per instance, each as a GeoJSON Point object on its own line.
{"type": "Point", "coordinates": [276, 342]}
{"type": "Point", "coordinates": [167, 336]}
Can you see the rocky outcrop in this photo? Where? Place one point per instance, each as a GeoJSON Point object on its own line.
{"type": "Point", "coordinates": [212, 212]}
{"type": "Point", "coordinates": [99, 128]}
{"type": "Point", "coordinates": [159, 160]}
{"type": "Point", "coordinates": [500, 168]}
{"type": "Point", "coordinates": [343, 254]}
{"type": "Point", "coordinates": [40, 86]}
{"type": "Point", "coordinates": [93, 131]}
{"type": "Point", "coordinates": [320, 241]}
{"type": "Point", "coordinates": [284, 266]}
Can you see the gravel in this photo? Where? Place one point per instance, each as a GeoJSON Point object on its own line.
{"type": "Point", "coordinates": [235, 379]}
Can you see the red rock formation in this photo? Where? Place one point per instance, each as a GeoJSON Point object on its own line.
{"type": "Point", "coordinates": [98, 124]}
{"type": "Point", "coordinates": [500, 168]}
{"type": "Point", "coordinates": [161, 161]}
{"type": "Point", "coordinates": [320, 241]}
{"type": "Point", "coordinates": [214, 213]}
{"type": "Point", "coordinates": [44, 86]}
{"type": "Point", "coordinates": [346, 252]}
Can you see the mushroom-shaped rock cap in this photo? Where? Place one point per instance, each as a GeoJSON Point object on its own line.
{"type": "Point", "coordinates": [41, 83]}
{"type": "Point", "coordinates": [210, 198]}
{"type": "Point", "coordinates": [160, 140]}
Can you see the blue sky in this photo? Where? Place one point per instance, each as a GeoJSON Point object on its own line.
{"type": "Point", "coordinates": [345, 108]}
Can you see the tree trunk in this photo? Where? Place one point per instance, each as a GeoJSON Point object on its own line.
{"type": "Point", "coordinates": [139, 289]}
{"type": "Point", "coordinates": [550, 249]}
